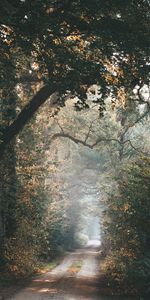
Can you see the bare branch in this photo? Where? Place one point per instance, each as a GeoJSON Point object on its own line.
{"type": "Point", "coordinates": [68, 136]}
{"type": "Point", "coordinates": [90, 128]}
{"type": "Point", "coordinates": [136, 149]}
{"type": "Point", "coordinates": [59, 125]}
{"type": "Point", "coordinates": [137, 121]}
{"type": "Point", "coordinates": [99, 140]}
{"type": "Point", "coordinates": [121, 143]}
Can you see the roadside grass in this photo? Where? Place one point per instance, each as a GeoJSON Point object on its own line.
{"type": "Point", "coordinates": [47, 266]}
{"type": "Point", "coordinates": [75, 267]}
{"type": "Point", "coordinates": [42, 267]}
{"type": "Point", "coordinates": [9, 284]}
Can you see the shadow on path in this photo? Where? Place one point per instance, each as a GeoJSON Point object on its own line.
{"type": "Point", "coordinates": [66, 282]}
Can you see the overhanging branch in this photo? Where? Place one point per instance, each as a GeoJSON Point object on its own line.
{"type": "Point", "coordinates": [98, 141]}
{"type": "Point", "coordinates": [73, 139]}
{"type": "Point", "coordinates": [25, 115]}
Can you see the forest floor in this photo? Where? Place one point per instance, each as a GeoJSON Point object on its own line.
{"type": "Point", "coordinates": [77, 277]}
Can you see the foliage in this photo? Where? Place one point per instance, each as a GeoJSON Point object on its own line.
{"type": "Point", "coordinates": [21, 250]}
{"type": "Point", "coordinates": [66, 46]}
{"type": "Point", "coordinates": [35, 220]}
{"type": "Point", "coordinates": [67, 37]}
{"type": "Point", "coordinates": [127, 228]}
{"type": "Point", "coordinates": [80, 240]}
{"type": "Point", "coordinates": [69, 46]}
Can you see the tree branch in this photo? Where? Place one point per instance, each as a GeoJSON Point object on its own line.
{"type": "Point", "coordinates": [121, 143]}
{"type": "Point", "coordinates": [68, 136]}
{"type": "Point", "coordinates": [25, 115]}
{"type": "Point", "coordinates": [89, 129]}
{"type": "Point", "coordinates": [99, 140]}
{"type": "Point", "coordinates": [56, 120]}
{"type": "Point", "coordinates": [137, 121]}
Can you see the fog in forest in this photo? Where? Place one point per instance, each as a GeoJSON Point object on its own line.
{"type": "Point", "coordinates": [74, 150]}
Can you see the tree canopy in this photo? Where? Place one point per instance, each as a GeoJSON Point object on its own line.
{"type": "Point", "coordinates": [76, 54]}
{"type": "Point", "coordinates": [67, 46]}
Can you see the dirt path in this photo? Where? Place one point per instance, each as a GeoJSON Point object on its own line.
{"type": "Point", "coordinates": [76, 278]}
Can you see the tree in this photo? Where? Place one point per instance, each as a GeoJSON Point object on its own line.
{"type": "Point", "coordinates": [126, 228]}
{"type": "Point", "coordinates": [70, 45]}
{"type": "Point", "coordinates": [59, 49]}
{"type": "Point", "coordinates": [8, 179]}
{"type": "Point", "coordinates": [33, 212]}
